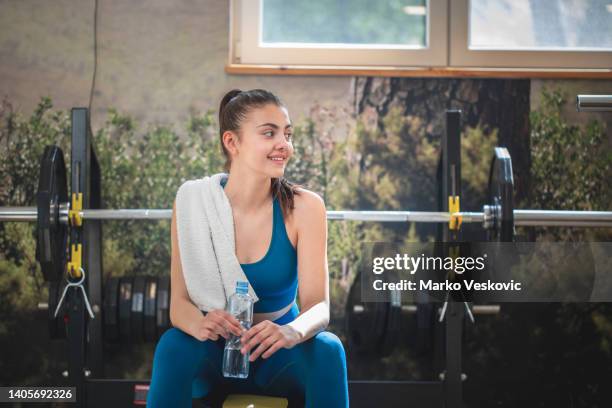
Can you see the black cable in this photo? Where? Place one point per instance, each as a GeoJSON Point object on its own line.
{"type": "Point", "coordinates": [95, 44]}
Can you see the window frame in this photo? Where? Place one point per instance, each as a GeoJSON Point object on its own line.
{"type": "Point", "coordinates": [245, 47]}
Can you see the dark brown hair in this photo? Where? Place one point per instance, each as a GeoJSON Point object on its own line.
{"type": "Point", "coordinates": [233, 109]}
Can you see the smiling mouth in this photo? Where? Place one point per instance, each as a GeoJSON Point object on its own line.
{"type": "Point", "coordinates": [278, 160]}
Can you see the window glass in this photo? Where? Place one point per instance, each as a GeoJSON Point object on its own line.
{"type": "Point", "coordinates": [348, 22]}
{"type": "Point", "coordinates": [540, 24]}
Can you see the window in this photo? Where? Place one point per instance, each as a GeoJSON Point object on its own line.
{"type": "Point", "coordinates": [340, 32]}
{"type": "Point", "coordinates": [583, 25]}
{"type": "Point", "coordinates": [531, 33]}
{"type": "Point", "coordinates": [540, 34]}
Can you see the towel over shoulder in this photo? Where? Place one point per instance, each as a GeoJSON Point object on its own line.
{"type": "Point", "coordinates": [205, 231]}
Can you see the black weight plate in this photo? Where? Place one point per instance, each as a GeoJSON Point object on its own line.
{"type": "Point", "coordinates": [163, 304]}
{"type": "Point", "coordinates": [137, 323]}
{"type": "Point", "coordinates": [51, 235]}
{"type": "Point", "coordinates": [365, 321]}
{"type": "Point", "coordinates": [57, 327]}
{"type": "Point", "coordinates": [111, 310]}
{"type": "Point", "coordinates": [125, 308]}
{"type": "Point", "coordinates": [501, 187]}
{"type": "Point", "coordinates": [149, 308]}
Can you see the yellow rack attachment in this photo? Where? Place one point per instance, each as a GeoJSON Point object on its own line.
{"type": "Point", "coordinates": [74, 266]}
{"type": "Point", "coordinates": [453, 207]}
{"type": "Point", "coordinates": [74, 215]}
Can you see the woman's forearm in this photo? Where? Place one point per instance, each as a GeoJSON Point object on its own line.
{"type": "Point", "coordinates": [184, 314]}
{"type": "Point", "coordinates": [311, 322]}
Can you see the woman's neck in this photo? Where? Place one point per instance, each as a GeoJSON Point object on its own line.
{"type": "Point", "coordinates": [249, 193]}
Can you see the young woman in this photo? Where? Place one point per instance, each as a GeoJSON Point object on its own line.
{"type": "Point", "coordinates": [281, 244]}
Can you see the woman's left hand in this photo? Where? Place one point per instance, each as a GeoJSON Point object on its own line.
{"type": "Point", "coordinates": [270, 337]}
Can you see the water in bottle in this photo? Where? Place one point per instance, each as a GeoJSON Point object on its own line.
{"type": "Point", "coordinates": [240, 305]}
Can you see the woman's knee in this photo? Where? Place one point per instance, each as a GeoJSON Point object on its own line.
{"type": "Point", "coordinates": [176, 346]}
{"type": "Point", "coordinates": [327, 345]}
{"type": "Point", "coordinates": [172, 341]}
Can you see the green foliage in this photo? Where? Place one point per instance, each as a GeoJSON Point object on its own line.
{"type": "Point", "coordinates": [394, 168]}
{"type": "Point", "coordinates": [571, 166]}
{"type": "Point", "coordinates": [476, 152]}
{"type": "Point", "coordinates": [146, 172]}
{"type": "Point", "coordinates": [18, 292]}
{"type": "Point", "coordinates": [23, 142]}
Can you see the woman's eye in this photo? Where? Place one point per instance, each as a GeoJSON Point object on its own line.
{"type": "Point", "coordinates": [289, 136]}
{"type": "Point", "coordinates": [269, 133]}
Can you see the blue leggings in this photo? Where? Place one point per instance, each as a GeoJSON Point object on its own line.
{"type": "Point", "coordinates": [186, 368]}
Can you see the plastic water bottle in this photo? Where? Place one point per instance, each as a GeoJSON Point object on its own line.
{"type": "Point", "coordinates": [240, 305]}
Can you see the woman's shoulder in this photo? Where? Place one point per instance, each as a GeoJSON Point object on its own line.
{"type": "Point", "coordinates": [308, 204]}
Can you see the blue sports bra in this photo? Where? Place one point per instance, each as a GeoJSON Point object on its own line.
{"type": "Point", "coordinates": [274, 277]}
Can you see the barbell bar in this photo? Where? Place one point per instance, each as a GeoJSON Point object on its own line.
{"type": "Point", "coordinates": [521, 217]}
{"type": "Point", "coordinates": [53, 212]}
{"type": "Point", "coordinates": [593, 103]}
{"type": "Point", "coordinates": [412, 308]}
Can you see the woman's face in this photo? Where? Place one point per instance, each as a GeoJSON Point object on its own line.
{"type": "Point", "coordinates": [265, 144]}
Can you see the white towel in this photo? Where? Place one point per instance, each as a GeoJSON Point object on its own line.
{"type": "Point", "coordinates": [205, 229]}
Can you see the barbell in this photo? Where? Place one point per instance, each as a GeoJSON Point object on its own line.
{"type": "Point", "coordinates": [498, 217]}
{"type": "Point", "coordinates": [370, 326]}
{"type": "Point", "coordinates": [556, 218]}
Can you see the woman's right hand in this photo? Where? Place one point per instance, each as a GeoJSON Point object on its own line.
{"type": "Point", "coordinates": [216, 323]}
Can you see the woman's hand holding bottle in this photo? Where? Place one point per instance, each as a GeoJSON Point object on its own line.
{"type": "Point", "coordinates": [214, 324]}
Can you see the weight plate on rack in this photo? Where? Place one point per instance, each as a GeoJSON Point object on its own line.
{"type": "Point", "coordinates": [150, 297]}
{"type": "Point", "coordinates": [137, 323]}
{"type": "Point", "coordinates": [501, 204]}
{"type": "Point", "coordinates": [52, 235]}
{"type": "Point", "coordinates": [111, 310]}
{"type": "Point", "coordinates": [163, 304]}
{"type": "Point", "coordinates": [125, 308]}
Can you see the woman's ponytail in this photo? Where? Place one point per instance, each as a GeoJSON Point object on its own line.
{"type": "Point", "coordinates": [226, 99]}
